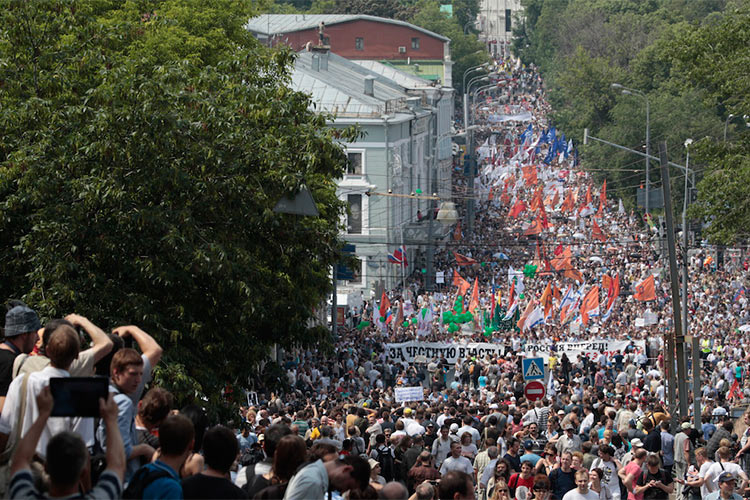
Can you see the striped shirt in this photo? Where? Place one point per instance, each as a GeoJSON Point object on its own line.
{"type": "Point", "coordinates": [108, 487]}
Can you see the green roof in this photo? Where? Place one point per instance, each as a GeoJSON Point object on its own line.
{"type": "Point", "coordinates": [428, 69]}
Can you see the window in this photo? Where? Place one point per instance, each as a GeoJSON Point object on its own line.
{"type": "Point", "coordinates": [359, 43]}
{"type": "Point", "coordinates": [508, 20]}
{"type": "Point", "coordinates": [354, 222]}
{"type": "Point", "coordinates": [357, 272]}
{"type": "Point", "coordinates": [415, 43]}
{"type": "Point", "coordinates": [354, 164]}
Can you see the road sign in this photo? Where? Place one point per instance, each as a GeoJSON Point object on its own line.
{"type": "Point", "coordinates": [534, 390]}
{"type": "Point", "coordinates": [533, 368]}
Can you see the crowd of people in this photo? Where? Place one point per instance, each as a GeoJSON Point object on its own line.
{"type": "Point", "coordinates": [604, 429]}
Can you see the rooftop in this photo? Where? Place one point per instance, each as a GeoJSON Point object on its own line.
{"type": "Point", "coordinates": [274, 24]}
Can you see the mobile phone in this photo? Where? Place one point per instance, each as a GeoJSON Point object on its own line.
{"type": "Point", "coordinates": [77, 396]}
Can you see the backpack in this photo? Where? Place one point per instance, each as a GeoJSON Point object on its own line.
{"type": "Point", "coordinates": [141, 480]}
{"type": "Point", "coordinates": [251, 456]}
{"type": "Point", "coordinates": [387, 464]}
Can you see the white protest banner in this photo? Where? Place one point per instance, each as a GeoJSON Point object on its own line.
{"type": "Point", "coordinates": [405, 394]}
{"type": "Point", "coordinates": [406, 352]}
{"type": "Point", "coordinates": [589, 348]}
{"type": "Point", "coordinates": [440, 277]}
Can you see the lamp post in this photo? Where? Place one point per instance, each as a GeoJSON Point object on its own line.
{"type": "Point", "coordinates": [729, 118]}
{"type": "Point", "coordinates": [629, 91]}
{"type": "Point", "coordinates": [470, 151]}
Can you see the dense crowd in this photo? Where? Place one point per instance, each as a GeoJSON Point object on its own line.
{"type": "Point", "coordinates": [541, 242]}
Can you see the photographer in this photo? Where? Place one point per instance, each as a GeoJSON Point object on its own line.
{"type": "Point", "coordinates": [67, 457]}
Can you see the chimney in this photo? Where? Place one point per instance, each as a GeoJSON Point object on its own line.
{"type": "Point", "coordinates": [315, 63]}
{"type": "Point", "coordinates": [370, 86]}
{"type": "Point", "coordinates": [324, 61]}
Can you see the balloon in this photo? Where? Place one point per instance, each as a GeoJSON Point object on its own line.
{"type": "Point", "coordinates": [418, 191]}
{"type": "Point", "coordinates": [529, 270]}
{"type": "Point", "coordinates": [382, 319]}
{"type": "Point", "coordinates": [406, 324]}
{"type": "Point", "coordinates": [483, 264]}
{"type": "Point", "coordinates": [522, 296]}
{"type": "Point", "coordinates": [362, 325]}
{"type": "Point", "coordinates": [414, 321]}
{"type": "Point", "coordinates": [453, 328]}
{"type": "Point", "coordinates": [424, 271]}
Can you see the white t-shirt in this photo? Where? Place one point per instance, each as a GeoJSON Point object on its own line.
{"type": "Point", "coordinates": [575, 495]}
{"type": "Point", "coordinates": [462, 464]}
{"type": "Point", "coordinates": [609, 480]}
{"type": "Point", "coordinates": [713, 473]}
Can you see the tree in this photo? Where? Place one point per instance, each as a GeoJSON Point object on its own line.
{"type": "Point", "coordinates": [142, 156]}
{"type": "Point", "coordinates": [714, 57]}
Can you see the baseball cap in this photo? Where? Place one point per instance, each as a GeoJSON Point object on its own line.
{"type": "Point", "coordinates": [569, 428]}
{"type": "Point", "coordinates": [726, 476]}
{"type": "Point", "coordinates": [454, 427]}
{"type": "Point", "coordinates": [21, 319]}
{"type": "Point", "coordinates": [636, 442]}
{"type": "Point", "coordinates": [686, 425]}
{"type": "Point", "coordinates": [528, 444]}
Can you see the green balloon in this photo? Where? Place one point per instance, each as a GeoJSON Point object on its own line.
{"type": "Point", "coordinates": [382, 319]}
{"type": "Point", "coordinates": [414, 321]}
{"type": "Point", "coordinates": [362, 325]}
{"type": "Point", "coordinates": [424, 271]}
{"type": "Point", "coordinates": [419, 191]}
{"type": "Point", "coordinates": [522, 296]}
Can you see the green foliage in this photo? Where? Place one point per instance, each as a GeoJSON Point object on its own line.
{"type": "Point", "coordinates": [584, 46]}
{"type": "Point", "coordinates": [141, 159]}
{"type": "Point", "coordinates": [714, 57]}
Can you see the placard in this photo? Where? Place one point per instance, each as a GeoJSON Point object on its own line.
{"type": "Point", "coordinates": [405, 394]}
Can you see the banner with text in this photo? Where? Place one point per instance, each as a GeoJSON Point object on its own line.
{"type": "Point", "coordinates": [406, 352]}
{"type": "Point", "coordinates": [423, 352]}
{"type": "Point", "coordinates": [590, 348]}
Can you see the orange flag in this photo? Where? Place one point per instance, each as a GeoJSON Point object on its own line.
{"type": "Point", "coordinates": [461, 283]}
{"type": "Point", "coordinates": [519, 207]}
{"type": "Point", "coordinates": [603, 194]}
{"type": "Point", "coordinates": [536, 201]}
{"type": "Point", "coordinates": [504, 198]}
{"type": "Point", "coordinates": [526, 312]}
{"type": "Point", "coordinates": [457, 233]}
{"type": "Point", "coordinates": [590, 305]}
{"type": "Point", "coordinates": [645, 290]}
{"type": "Point", "coordinates": [529, 175]}
{"type": "Point", "coordinates": [474, 302]}
{"type": "Point", "coordinates": [463, 260]}
{"type": "Point", "coordinates": [574, 274]}
{"type": "Point", "coordinates": [400, 314]}
{"type": "Point", "coordinates": [546, 300]}
{"type": "Point", "coordinates": [534, 228]}
{"type": "Point", "coordinates": [606, 282]}
{"type": "Point", "coordinates": [597, 233]}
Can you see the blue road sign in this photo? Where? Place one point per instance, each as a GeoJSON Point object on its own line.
{"type": "Point", "coordinates": [533, 368]}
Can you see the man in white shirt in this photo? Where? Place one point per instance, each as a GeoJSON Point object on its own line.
{"type": "Point", "coordinates": [725, 465]}
{"type": "Point", "coordinates": [582, 491]}
{"type": "Point", "coordinates": [441, 447]}
{"type": "Point", "coordinates": [456, 462]}
{"type": "Point", "coordinates": [62, 349]}
{"type": "Point", "coordinates": [475, 437]}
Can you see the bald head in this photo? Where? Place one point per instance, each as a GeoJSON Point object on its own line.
{"type": "Point", "coordinates": [394, 491]}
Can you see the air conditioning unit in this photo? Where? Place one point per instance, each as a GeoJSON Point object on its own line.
{"type": "Point", "coordinates": [402, 50]}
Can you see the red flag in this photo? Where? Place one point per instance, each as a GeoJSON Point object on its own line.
{"type": "Point", "coordinates": [645, 290]}
{"type": "Point", "coordinates": [558, 250]}
{"type": "Point", "coordinates": [588, 195]}
{"type": "Point", "coordinates": [463, 260]}
{"type": "Point", "coordinates": [519, 207]}
{"type": "Point", "coordinates": [613, 291]}
{"type": "Point", "coordinates": [385, 304]}
{"type": "Point", "coordinates": [536, 201]}
{"type": "Point", "coordinates": [603, 194]}
{"type": "Point", "coordinates": [597, 233]}
{"type": "Point", "coordinates": [504, 198]}
{"type": "Point", "coordinates": [590, 305]}
{"type": "Point", "coordinates": [474, 302]}
{"type": "Point", "coordinates": [461, 283]}
{"type": "Point", "coordinates": [491, 196]}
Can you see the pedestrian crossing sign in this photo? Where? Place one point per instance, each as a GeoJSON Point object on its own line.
{"type": "Point", "coordinates": [533, 368]}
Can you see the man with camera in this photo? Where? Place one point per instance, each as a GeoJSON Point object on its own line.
{"type": "Point", "coordinates": [68, 462]}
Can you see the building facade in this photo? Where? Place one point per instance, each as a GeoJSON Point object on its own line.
{"type": "Point", "coordinates": [496, 22]}
{"type": "Point", "coordinates": [404, 149]}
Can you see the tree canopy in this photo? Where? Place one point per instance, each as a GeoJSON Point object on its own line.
{"type": "Point", "coordinates": [685, 57]}
{"type": "Point", "coordinates": [145, 145]}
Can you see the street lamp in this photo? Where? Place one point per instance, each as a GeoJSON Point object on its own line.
{"type": "Point", "coordinates": [473, 68]}
{"type": "Point", "coordinates": [447, 215]}
{"type": "Point", "coordinates": [629, 91]}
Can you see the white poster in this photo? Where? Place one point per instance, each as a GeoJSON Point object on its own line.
{"type": "Point", "coordinates": [440, 277]}
{"type": "Point", "coordinates": [407, 352]}
{"type": "Point", "coordinates": [404, 394]}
